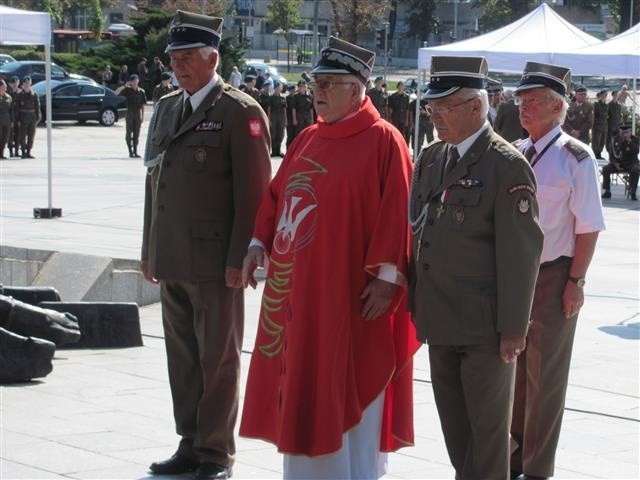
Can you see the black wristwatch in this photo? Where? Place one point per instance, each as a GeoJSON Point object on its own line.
{"type": "Point", "coordinates": [578, 281]}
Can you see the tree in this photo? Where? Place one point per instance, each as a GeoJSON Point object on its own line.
{"type": "Point", "coordinates": [96, 19]}
{"type": "Point", "coordinates": [498, 13]}
{"type": "Point", "coordinates": [421, 20]}
{"type": "Point", "coordinates": [284, 14]}
{"type": "Point", "coordinates": [355, 17]}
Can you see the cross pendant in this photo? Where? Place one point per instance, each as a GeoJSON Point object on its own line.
{"type": "Point", "coordinates": [440, 211]}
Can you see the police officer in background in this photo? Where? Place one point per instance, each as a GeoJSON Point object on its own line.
{"type": "Point", "coordinates": [28, 116]}
{"type": "Point", "coordinates": [302, 113]}
{"type": "Point", "coordinates": [291, 128]}
{"type": "Point", "coordinates": [136, 100]}
{"type": "Point", "coordinates": [571, 218]}
{"type": "Point", "coordinates": [14, 134]}
{"type": "Point", "coordinates": [5, 117]}
{"type": "Point", "coordinates": [399, 110]}
{"type": "Point", "coordinates": [208, 168]}
{"type": "Point", "coordinates": [600, 111]}
{"type": "Point", "coordinates": [624, 158]}
{"type": "Point", "coordinates": [579, 119]}
{"type": "Point", "coordinates": [379, 97]}
{"type": "Point", "coordinates": [476, 251]}
{"type": "Point", "coordinates": [277, 119]}
{"type": "Point", "coordinates": [163, 88]}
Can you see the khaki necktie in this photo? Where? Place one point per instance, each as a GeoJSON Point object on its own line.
{"type": "Point", "coordinates": [453, 160]}
{"type": "Point", "coordinates": [187, 110]}
{"type": "Point", "coordinates": [530, 152]}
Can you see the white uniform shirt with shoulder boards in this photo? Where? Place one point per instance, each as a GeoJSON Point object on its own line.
{"type": "Point", "coordinates": [568, 191]}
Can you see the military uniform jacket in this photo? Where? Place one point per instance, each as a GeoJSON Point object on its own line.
{"type": "Point", "coordinates": [379, 100]}
{"type": "Point", "coordinates": [614, 117]}
{"type": "Point", "coordinates": [600, 113]}
{"type": "Point", "coordinates": [625, 152]}
{"type": "Point", "coordinates": [27, 104]}
{"type": "Point", "coordinates": [476, 243]}
{"type": "Point", "coordinates": [399, 104]}
{"type": "Point", "coordinates": [160, 91]}
{"type": "Point", "coordinates": [5, 109]}
{"type": "Point", "coordinates": [580, 118]}
{"type": "Point", "coordinates": [136, 99]}
{"type": "Point", "coordinates": [204, 185]}
{"type": "Point", "coordinates": [303, 105]}
{"type": "Point", "coordinates": [277, 106]}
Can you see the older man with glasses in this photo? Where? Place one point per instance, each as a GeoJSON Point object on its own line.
{"type": "Point", "coordinates": [330, 376]}
{"type": "Point", "coordinates": [476, 251]}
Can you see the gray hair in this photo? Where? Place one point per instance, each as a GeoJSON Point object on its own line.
{"type": "Point", "coordinates": [556, 97]}
{"type": "Point", "coordinates": [469, 93]}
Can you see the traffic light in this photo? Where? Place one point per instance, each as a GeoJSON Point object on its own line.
{"type": "Point", "coordinates": [380, 39]}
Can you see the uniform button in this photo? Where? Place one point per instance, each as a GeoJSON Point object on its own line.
{"type": "Point", "coordinates": [430, 221]}
{"type": "Point", "coordinates": [426, 266]}
{"type": "Point", "coordinates": [161, 208]}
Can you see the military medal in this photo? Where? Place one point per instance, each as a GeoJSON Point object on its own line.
{"type": "Point", "coordinates": [458, 214]}
{"type": "Point", "coordinates": [200, 155]}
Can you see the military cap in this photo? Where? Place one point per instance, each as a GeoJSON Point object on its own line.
{"type": "Point", "coordinates": [192, 30]}
{"type": "Point", "coordinates": [14, 79]}
{"type": "Point", "coordinates": [494, 86]}
{"type": "Point", "coordinates": [344, 58]}
{"type": "Point", "coordinates": [302, 82]}
{"type": "Point", "coordinates": [249, 78]}
{"type": "Point", "coordinates": [538, 75]}
{"type": "Point", "coordinates": [133, 77]}
{"type": "Point", "coordinates": [603, 92]}
{"type": "Point", "coordinates": [625, 128]}
{"type": "Point", "coordinates": [291, 87]}
{"type": "Point", "coordinates": [165, 76]}
{"type": "Point", "coordinates": [26, 78]}
{"type": "Point", "coordinates": [378, 79]}
{"type": "Point", "coordinates": [450, 74]}
{"type": "Point", "coordinates": [580, 89]}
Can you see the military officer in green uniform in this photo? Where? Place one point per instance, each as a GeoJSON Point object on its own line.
{"type": "Point", "coordinates": [291, 128]}
{"type": "Point", "coordinates": [5, 117]}
{"type": "Point", "coordinates": [579, 118]}
{"type": "Point", "coordinates": [425, 125]}
{"type": "Point", "coordinates": [251, 90]}
{"type": "Point", "coordinates": [302, 113]}
{"type": "Point", "coordinates": [399, 110]}
{"type": "Point", "coordinates": [614, 120]}
{"type": "Point", "coordinates": [14, 140]}
{"type": "Point", "coordinates": [163, 88]}
{"type": "Point", "coordinates": [264, 99]}
{"type": "Point", "coordinates": [136, 100]}
{"type": "Point", "coordinates": [277, 119]}
{"type": "Point", "coordinates": [475, 257]}
{"type": "Point", "coordinates": [599, 132]}
{"type": "Point", "coordinates": [624, 158]}
{"type": "Point", "coordinates": [28, 116]}
{"type": "Point", "coordinates": [379, 97]}
{"type": "Point", "coordinates": [208, 166]}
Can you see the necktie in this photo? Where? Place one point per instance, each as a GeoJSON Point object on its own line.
{"type": "Point", "coordinates": [453, 160]}
{"type": "Point", "coordinates": [187, 110]}
{"type": "Point", "coordinates": [530, 152]}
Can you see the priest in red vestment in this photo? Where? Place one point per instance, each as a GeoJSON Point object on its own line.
{"type": "Point", "coordinates": [330, 382]}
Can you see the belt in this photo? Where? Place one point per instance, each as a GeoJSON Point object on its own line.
{"type": "Point", "coordinates": [555, 261]}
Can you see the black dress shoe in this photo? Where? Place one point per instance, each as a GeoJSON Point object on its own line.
{"type": "Point", "coordinates": [175, 465]}
{"type": "Point", "coordinates": [212, 471]}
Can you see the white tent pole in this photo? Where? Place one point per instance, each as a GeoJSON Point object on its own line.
{"type": "Point", "coordinates": [47, 55]}
{"type": "Point", "coordinates": [634, 106]}
{"type": "Point", "coordinates": [416, 128]}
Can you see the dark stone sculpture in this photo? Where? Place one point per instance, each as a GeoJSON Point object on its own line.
{"type": "Point", "coordinates": [32, 295]}
{"type": "Point", "coordinates": [24, 358]}
{"type": "Point", "coordinates": [60, 328]}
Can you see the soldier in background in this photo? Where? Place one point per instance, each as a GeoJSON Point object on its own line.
{"type": "Point", "coordinates": [250, 87]}
{"type": "Point", "coordinates": [379, 97]}
{"type": "Point", "coordinates": [579, 116]}
{"type": "Point", "coordinates": [136, 100]}
{"type": "Point", "coordinates": [277, 119]}
{"type": "Point", "coordinates": [494, 92]}
{"type": "Point", "coordinates": [163, 87]}
{"type": "Point", "coordinates": [5, 117]}
{"type": "Point", "coordinates": [302, 114]}
{"type": "Point", "coordinates": [614, 119]}
{"type": "Point", "coordinates": [507, 122]}
{"type": "Point", "coordinates": [291, 128]}
{"type": "Point", "coordinates": [425, 125]}
{"type": "Point", "coordinates": [600, 113]}
{"type": "Point", "coordinates": [624, 158]}
{"type": "Point", "coordinates": [28, 111]}
{"type": "Point", "coordinates": [399, 110]}
{"type": "Point", "coordinates": [264, 99]}
{"type": "Point", "coordinates": [14, 141]}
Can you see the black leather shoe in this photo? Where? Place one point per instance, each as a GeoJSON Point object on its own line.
{"type": "Point", "coordinates": [175, 465]}
{"type": "Point", "coordinates": [212, 471]}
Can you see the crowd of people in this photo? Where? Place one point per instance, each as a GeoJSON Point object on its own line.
{"type": "Point", "coordinates": [19, 115]}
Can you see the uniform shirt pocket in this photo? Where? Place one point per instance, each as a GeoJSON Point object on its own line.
{"type": "Point", "coordinates": [199, 150]}
{"type": "Point", "coordinates": [551, 201]}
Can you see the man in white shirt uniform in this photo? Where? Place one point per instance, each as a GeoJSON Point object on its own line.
{"type": "Point", "coordinates": [571, 218]}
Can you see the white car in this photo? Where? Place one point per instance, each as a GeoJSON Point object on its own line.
{"type": "Point", "coordinates": [253, 67]}
{"type": "Point", "coordinates": [4, 58]}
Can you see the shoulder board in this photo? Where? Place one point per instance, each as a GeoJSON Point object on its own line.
{"type": "Point", "coordinates": [576, 150]}
{"type": "Point", "coordinates": [506, 149]}
{"type": "Point", "coordinates": [242, 98]}
{"type": "Point", "coordinates": [171, 94]}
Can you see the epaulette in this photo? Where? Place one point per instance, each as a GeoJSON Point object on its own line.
{"type": "Point", "coordinates": [175, 92]}
{"type": "Point", "coordinates": [577, 150]}
{"type": "Point", "coordinates": [507, 150]}
{"type": "Point", "coordinates": [242, 98]}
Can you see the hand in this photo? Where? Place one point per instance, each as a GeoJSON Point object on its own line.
{"type": "Point", "coordinates": [511, 346]}
{"type": "Point", "coordinates": [233, 277]}
{"type": "Point", "coordinates": [256, 257]}
{"type": "Point", "coordinates": [572, 299]}
{"type": "Point", "coordinates": [377, 296]}
{"type": "Point", "coordinates": [144, 269]}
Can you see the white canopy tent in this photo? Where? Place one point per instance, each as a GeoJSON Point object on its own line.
{"type": "Point", "coordinates": [22, 27]}
{"type": "Point", "coordinates": [535, 37]}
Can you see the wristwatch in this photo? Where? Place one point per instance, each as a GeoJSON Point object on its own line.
{"type": "Point", "coordinates": [578, 281]}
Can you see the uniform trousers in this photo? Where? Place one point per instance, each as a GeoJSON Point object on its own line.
{"type": "Point", "coordinates": [404, 130]}
{"type": "Point", "coordinates": [542, 374]}
{"type": "Point", "coordinates": [473, 390]}
{"type": "Point", "coordinates": [277, 134]}
{"type": "Point", "coordinates": [5, 133]}
{"type": "Point", "coordinates": [291, 133]}
{"type": "Point", "coordinates": [132, 134]}
{"type": "Point", "coordinates": [27, 130]}
{"type": "Point", "coordinates": [304, 120]}
{"type": "Point", "coordinates": [203, 326]}
{"type": "Point", "coordinates": [14, 137]}
{"type": "Point", "coordinates": [632, 169]}
{"type": "Point", "coordinates": [359, 457]}
{"type": "Point", "coordinates": [598, 141]}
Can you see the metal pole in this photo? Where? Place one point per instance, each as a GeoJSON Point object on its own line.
{"type": "Point", "coordinates": [455, 20]}
{"type": "Point", "coordinates": [47, 75]}
{"type": "Point", "coordinates": [314, 41]}
{"type": "Point", "coordinates": [386, 50]}
{"type": "Point", "coordinates": [416, 129]}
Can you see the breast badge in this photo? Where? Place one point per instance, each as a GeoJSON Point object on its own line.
{"type": "Point", "coordinates": [458, 214]}
{"type": "Point", "coordinates": [200, 155]}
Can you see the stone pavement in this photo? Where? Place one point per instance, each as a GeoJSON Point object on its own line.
{"type": "Point", "coordinates": [107, 413]}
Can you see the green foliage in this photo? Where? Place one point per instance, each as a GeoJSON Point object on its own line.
{"type": "Point", "coordinates": [24, 52]}
{"type": "Point", "coordinates": [230, 55]}
{"type": "Point", "coordinates": [421, 20]}
{"type": "Point", "coordinates": [95, 21]}
{"type": "Point", "coordinates": [284, 14]}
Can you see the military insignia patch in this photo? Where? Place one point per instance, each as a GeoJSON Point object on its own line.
{"type": "Point", "coordinates": [255, 128]}
{"type": "Point", "coordinates": [524, 205]}
{"type": "Point", "coordinates": [458, 214]}
{"type": "Point", "coordinates": [200, 155]}
{"type": "Point", "coordinates": [520, 187]}
{"type": "Point", "coordinates": [576, 150]}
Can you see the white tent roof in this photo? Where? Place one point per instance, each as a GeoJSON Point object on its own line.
{"type": "Point", "coordinates": [617, 57]}
{"type": "Point", "coordinates": [535, 37]}
{"type": "Point", "coordinates": [21, 27]}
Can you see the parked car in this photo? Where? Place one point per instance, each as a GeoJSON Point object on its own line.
{"type": "Point", "coordinates": [4, 58]}
{"type": "Point", "coordinates": [82, 101]}
{"type": "Point", "coordinates": [252, 68]}
{"type": "Point", "coordinates": [35, 69]}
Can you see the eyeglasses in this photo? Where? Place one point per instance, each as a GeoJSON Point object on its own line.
{"type": "Point", "coordinates": [326, 85]}
{"type": "Point", "coordinates": [443, 110]}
